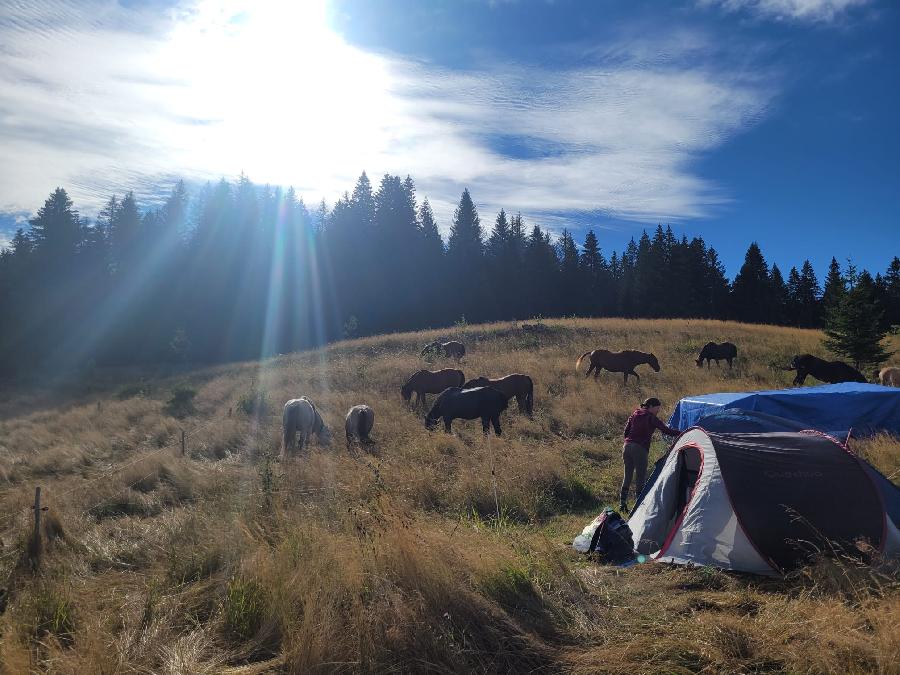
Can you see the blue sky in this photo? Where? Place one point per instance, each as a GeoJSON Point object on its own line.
{"type": "Point", "coordinates": [737, 120]}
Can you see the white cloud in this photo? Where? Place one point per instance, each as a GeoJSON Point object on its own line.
{"type": "Point", "coordinates": [824, 11]}
{"type": "Point", "coordinates": [103, 99]}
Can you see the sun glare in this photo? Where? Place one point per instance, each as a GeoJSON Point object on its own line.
{"type": "Point", "coordinates": [274, 88]}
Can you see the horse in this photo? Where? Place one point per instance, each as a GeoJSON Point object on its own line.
{"type": "Point", "coordinates": [430, 382]}
{"type": "Point", "coordinates": [300, 414]}
{"type": "Point", "coordinates": [454, 349]}
{"type": "Point", "coordinates": [468, 404]}
{"type": "Point", "coordinates": [358, 424]}
{"type": "Point", "coordinates": [827, 371]}
{"type": "Point", "coordinates": [713, 352]}
{"type": "Point", "coordinates": [517, 385]}
{"type": "Point", "coordinates": [617, 362]}
{"type": "Point", "coordinates": [889, 377]}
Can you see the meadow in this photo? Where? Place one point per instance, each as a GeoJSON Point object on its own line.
{"type": "Point", "coordinates": [431, 553]}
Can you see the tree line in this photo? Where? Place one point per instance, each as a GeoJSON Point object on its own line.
{"type": "Point", "coordinates": [240, 271]}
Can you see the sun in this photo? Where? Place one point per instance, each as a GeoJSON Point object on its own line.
{"type": "Point", "coordinates": [277, 90]}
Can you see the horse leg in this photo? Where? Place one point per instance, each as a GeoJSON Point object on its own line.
{"type": "Point", "coordinates": [799, 378]}
{"type": "Point", "coordinates": [486, 425]}
{"type": "Point", "coordinates": [730, 365]}
{"type": "Point", "coordinates": [625, 376]}
{"type": "Point", "coordinates": [447, 422]}
{"type": "Point", "coordinates": [495, 420]}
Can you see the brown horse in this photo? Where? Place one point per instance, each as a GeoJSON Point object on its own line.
{"type": "Point", "coordinates": [890, 376]}
{"type": "Point", "coordinates": [430, 382]}
{"type": "Point", "coordinates": [453, 349]}
{"type": "Point", "coordinates": [617, 362]}
{"type": "Point", "coordinates": [517, 385]}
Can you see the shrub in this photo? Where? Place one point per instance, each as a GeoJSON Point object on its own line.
{"type": "Point", "coordinates": [254, 403]}
{"type": "Point", "coordinates": [181, 403]}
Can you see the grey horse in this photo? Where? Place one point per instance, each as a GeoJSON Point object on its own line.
{"type": "Point", "coordinates": [300, 415]}
{"type": "Point", "coordinates": [358, 424]}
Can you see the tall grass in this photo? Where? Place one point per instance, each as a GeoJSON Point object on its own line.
{"type": "Point", "coordinates": [397, 560]}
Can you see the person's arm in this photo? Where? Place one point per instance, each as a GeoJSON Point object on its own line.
{"type": "Point", "coordinates": [663, 427]}
{"type": "Point", "coordinates": [628, 426]}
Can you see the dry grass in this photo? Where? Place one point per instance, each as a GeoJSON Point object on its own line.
{"type": "Point", "coordinates": [395, 560]}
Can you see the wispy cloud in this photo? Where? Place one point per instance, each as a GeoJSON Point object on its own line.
{"type": "Point", "coordinates": [101, 98]}
{"type": "Point", "coordinates": [813, 11]}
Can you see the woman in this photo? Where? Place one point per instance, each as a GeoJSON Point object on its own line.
{"type": "Point", "coordinates": [638, 431]}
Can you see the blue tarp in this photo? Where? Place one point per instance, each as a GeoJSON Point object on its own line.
{"type": "Point", "coordinates": [836, 409]}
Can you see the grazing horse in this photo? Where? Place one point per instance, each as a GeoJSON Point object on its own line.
{"type": "Point", "coordinates": [430, 382]}
{"type": "Point", "coordinates": [454, 349]}
{"type": "Point", "coordinates": [713, 352]}
{"type": "Point", "coordinates": [468, 404]}
{"type": "Point", "coordinates": [890, 376]}
{"type": "Point", "coordinates": [827, 371]}
{"type": "Point", "coordinates": [517, 385]}
{"type": "Point", "coordinates": [617, 362]}
{"type": "Point", "coordinates": [358, 424]}
{"type": "Point", "coordinates": [301, 415]}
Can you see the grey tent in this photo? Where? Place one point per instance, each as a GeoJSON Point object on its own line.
{"type": "Point", "coordinates": [760, 500]}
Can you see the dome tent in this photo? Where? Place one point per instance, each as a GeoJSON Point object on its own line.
{"type": "Point", "coordinates": [747, 501]}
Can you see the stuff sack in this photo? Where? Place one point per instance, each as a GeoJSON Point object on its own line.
{"type": "Point", "coordinates": [609, 535]}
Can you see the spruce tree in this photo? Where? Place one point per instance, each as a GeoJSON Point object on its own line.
{"type": "Point", "coordinates": [751, 294]}
{"type": "Point", "coordinates": [853, 325]}
{"type": "Point", "coordinates": [835, 287]}
{"type": "Point", "coordinates": [779, 298]}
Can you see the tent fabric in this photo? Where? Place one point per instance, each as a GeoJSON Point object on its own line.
{"type": "Point", "coordinates": [835, 409]}
{"type": "Point", "coordinates": [760, 499]}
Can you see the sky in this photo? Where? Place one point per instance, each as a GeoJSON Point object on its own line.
{"type": "Point", "coordinates": [735, 120]}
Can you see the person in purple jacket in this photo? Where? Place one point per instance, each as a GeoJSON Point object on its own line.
{"type": "Point", "coordinates": [638, 432]}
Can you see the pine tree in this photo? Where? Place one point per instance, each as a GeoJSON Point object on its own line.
{"type": "Point", "coordinates": [835, 287]}
{"type": "Point", "coordinates": [780, 297]}
{"type": "Point", "coordinates": [892, 293]}
{"type": "Point", "coordinates": [570, 279]}
{"type": "Point", "coordinates": [853, 326]}
{"type": "Point", "coordinates": [465, 250]}
{"type": "Point", "coordinates": [751, 294]}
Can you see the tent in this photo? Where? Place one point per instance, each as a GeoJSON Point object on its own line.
{"type": "Point", "coordinates": [758, 501]}
{"type": "Point", "coordinates": [836, 409]}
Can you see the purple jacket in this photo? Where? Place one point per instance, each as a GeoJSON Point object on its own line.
{"type": "Point", "coordinates": [641, 426]}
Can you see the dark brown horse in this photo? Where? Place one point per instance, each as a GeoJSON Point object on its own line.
{"type": "Point", "coordinates": [617, 362]}
{"type": "Point", "coordinates": [430, 382]}
{"type": "Point", "coordinates": [517, 385]}
{"type": "Point", "coordinates": [453, 349]}
{"type": "Point", "coordinates": [714, 352]}
{"type": "Point", "coordinates": [827, 371]}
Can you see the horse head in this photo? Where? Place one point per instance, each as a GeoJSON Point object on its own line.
{"type": "Point", "coordinates": [476, 382]}
{"type": "Point", "coordinates": [431, 346]}
{"type": "Point", "coordinates": [431, 419]}
{"type": "Point", "coordinates": [406, 392]}
{"type": "Point", "coordinates": [324, 435]}
{"type": "Point", "coordinates": [654, 363]}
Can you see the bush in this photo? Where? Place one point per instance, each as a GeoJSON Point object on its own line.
{"type": "Point", "coordinates": [254, 403]}
{"type": "Point", "coordinates": [181, 403]}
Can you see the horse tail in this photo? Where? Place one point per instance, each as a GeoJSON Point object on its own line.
{"type": "Point", "coordinates": [578, 362]}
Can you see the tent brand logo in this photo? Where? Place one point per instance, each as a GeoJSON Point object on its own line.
{"type": "Point", "coordinates": [794, 474]}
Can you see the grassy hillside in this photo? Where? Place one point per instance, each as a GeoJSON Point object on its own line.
{"type": "Point", "coordinates": [396, 560]}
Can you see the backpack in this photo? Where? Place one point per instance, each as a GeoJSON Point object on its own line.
{"type": "Point", "coordinates": [611, 538]}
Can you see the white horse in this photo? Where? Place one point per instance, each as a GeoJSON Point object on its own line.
{"type": "Point", "coordinates": [300, 415]}
{"type": "Point", "coordinates": [359, 422]}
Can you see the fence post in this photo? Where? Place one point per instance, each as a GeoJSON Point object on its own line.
{"type": "Point", "coordinates": [182, 443]}
{"type": "Point", "coordinates": [34, 552]}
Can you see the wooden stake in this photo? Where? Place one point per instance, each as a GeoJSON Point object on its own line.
{"type": "Point", "coordinates": [35, 549]}
{"type": "Point", "coordinates": [182, 443]}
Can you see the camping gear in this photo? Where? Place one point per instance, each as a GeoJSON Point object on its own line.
{"type": "Point", "coordinates": [608, 534]}
{"type": "Point", "coordinates": [762, 498]}
{"type": "Point", "coordinates": [835, 409]}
